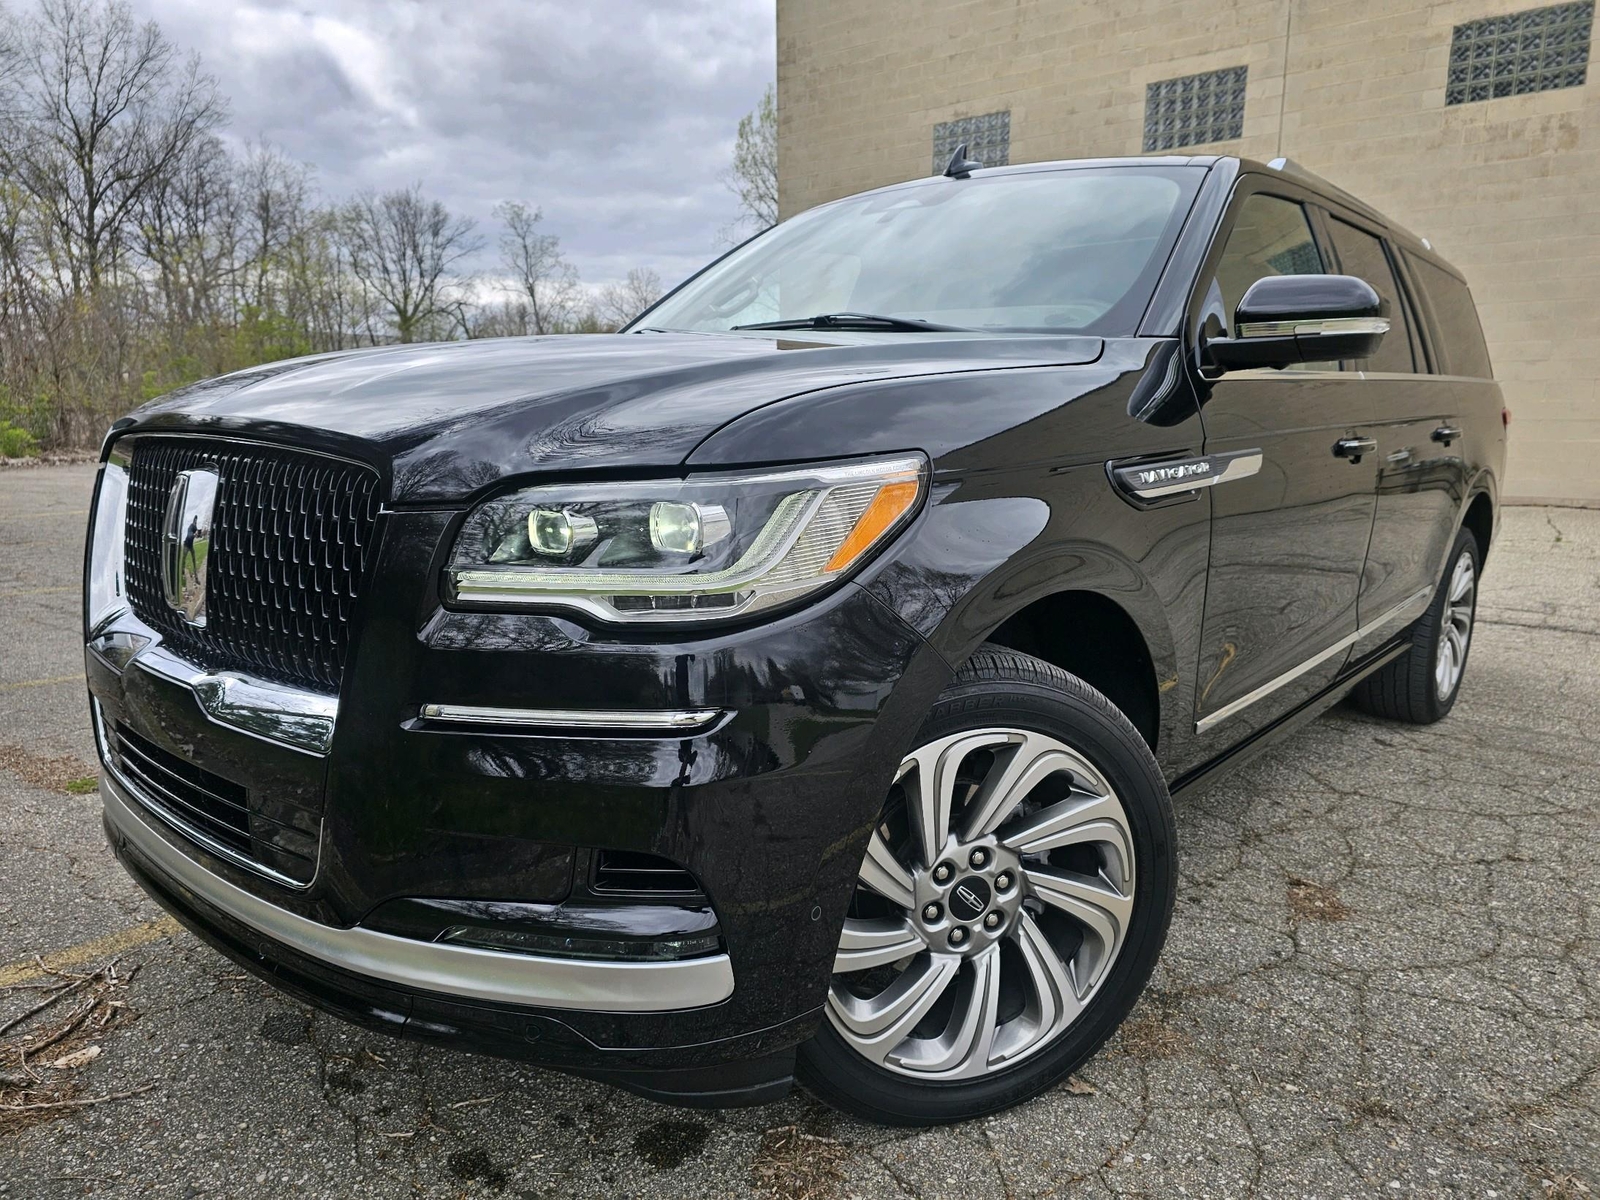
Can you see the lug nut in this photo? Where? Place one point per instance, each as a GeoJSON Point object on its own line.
{"type": "Point", "coordinates": [992, 921]}
{"type": "Point", "coordinates": [942, 873]}
{"type": "Point", "coordinates": [978, 857]}
{"type": "Point", "coordinates": [958, 936]}
{"type": "Point", "coordinates": [931, 913]}
{"type": "Point", "coordinates": [1002, 881]}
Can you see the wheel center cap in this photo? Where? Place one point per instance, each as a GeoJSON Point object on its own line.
{"type": "Point", "coordinates": [969, 898]}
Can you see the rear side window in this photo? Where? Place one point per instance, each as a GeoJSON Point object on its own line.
{"type": "Point", "coordinates": [1459, 337]}
{"type": "Point", "coordinates": [1362, 255]}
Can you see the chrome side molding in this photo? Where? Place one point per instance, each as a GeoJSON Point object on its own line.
{"type": "Point", "coordinates": [1171, 476]}
{"type": "Point", "coordinates": [494, 976]}
{"type": "Point", "coordinates": [684, 720]}
{"type": "Point", "coordinates": [274, 712]}
{"type": "Point", "coordinates": [1413, 606]}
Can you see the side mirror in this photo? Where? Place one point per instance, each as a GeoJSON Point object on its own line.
{"type": "Point", "coordinates": [1288, 319]}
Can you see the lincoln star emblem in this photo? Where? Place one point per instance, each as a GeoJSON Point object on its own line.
{"type": "Point", "coordinates": [186, 542]}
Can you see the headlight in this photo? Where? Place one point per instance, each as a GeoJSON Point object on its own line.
{"type": "Point", "coordinates": [702, 549]}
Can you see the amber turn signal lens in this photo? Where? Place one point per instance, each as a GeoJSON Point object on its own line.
{"type": "Point", "coordinates": [887, 507]}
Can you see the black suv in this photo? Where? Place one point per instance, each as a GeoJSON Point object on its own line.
{"type": "Point", "coordinates": [797, 681]}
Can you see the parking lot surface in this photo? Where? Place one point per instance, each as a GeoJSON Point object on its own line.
{"type": "Point", "coordinates": [1383, 976]}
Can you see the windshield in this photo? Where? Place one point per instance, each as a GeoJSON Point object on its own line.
{"type": "Point", "coordinates": [1069, 251]}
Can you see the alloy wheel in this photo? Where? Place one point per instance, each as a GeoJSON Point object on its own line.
{"type": "Point", "coordinates": [1456, 632]}
{"type": "Point", "coordinates": [994, 897]}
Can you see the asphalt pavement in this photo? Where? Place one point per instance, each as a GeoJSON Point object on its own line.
{"type": "Point", "coordinates": [1383, 976]}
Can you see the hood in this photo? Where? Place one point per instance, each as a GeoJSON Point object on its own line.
{"type": "Point", "coordinates": [447, 420]}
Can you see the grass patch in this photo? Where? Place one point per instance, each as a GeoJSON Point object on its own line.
{"type": "Point", "coordinates": [53, 772]}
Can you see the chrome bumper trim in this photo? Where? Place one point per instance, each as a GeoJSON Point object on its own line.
{"type": "Point", "coordinates": [274, 712]}
{"type": "Point", "coordinates": [461, 972]}
{"type": "Point", "coordinates": [631, 720]}
{"type": "Point", "coordinates": [1413, 606]}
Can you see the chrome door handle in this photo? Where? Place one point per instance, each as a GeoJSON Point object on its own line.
{"type": "Point", "coordinates": [1354, 447]}
{"type": "Point", "coordinates": [1446, 434]}
{"type": "Point", "coordinates": [1398, 456]}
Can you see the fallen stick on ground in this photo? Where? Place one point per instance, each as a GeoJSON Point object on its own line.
{"type": "Point", "coordinates": [84, 1103]}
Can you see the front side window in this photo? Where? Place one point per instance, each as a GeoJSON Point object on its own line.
{"type": "Point", "coordinates": [1361, 254]}
{"type": "Point", "coordinates": [1270, 237]}
{"type": "Point", "coordinates": [1072, 251]}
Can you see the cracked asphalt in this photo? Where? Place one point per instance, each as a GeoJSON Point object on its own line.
{"type": "Point", "coordinates": [1383, 977]}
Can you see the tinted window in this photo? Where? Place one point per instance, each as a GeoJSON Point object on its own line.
{"type": "Point", "coordinates": [1457, 334]}
{"type": "Point", "coordinates": [1270, 237]}
{"type": "Point", "coordinates": [1073, 251]}
{"type": "Point", "coordinates": [1361, 255]}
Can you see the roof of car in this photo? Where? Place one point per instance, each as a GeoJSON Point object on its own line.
{"type": "Point", "coordinates": [1285, 168]}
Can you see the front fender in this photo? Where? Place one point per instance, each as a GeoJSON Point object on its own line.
{"type": "Point", "coordinates": [989, 547]}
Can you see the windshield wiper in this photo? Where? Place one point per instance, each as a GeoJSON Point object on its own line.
{"type": "Point", "coordinates": [854, 320]}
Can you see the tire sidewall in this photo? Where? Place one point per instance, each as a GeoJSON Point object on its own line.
{"type": "Point", "coordinates": [1086, 721]}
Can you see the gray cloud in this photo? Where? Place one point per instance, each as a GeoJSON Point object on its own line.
{"type": "Point", "coordinates": [614, 116]}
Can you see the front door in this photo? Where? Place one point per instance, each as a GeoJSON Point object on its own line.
{"type": "Point", "coordinates": [1288, 542]}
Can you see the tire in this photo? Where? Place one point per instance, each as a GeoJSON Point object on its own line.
{"type": "Point", "coordinates": [1004, 1027]}
{"type": "Point", "coordinates": [1419, 687]}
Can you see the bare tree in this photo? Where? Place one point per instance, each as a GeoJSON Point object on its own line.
{"type": "Point", "coordinates": [547, 281]}
{"type": "Point", "coordinates": [101, 107]}
{"type": "Point", "coordinates": [187, 227]}
{"type": "Point", "coordinates": [753, 176]}
{"type": "Point", "coordinates": [621, 302]}
{"type": "Point", "coordinates": [403, 248]}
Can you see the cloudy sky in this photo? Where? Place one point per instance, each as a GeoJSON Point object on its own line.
{"type": "Point", "coordinates": [614, 116]}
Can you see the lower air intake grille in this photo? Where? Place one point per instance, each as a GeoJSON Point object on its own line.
{"type": "Point", "coordinates": [209, 809]}
{"type": "Point", "coordinates": [214, 806]}
{"type": "Point", "coordinates": [630, 872]}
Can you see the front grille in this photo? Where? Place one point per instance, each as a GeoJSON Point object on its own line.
{"type": "Point", "coordinates": [635, 873]}
{"type": "Point", "coordinates": [210, 807]}
{"type": "Point", "coordinates": [217, 807]}
{"type": "Point", "coordinates": [289, 547]}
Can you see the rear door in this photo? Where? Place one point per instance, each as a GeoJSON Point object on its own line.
{"type": "Point", "coordinates": [1288, 542]}
{"type": "Point", "coordinates": [1418, 461]}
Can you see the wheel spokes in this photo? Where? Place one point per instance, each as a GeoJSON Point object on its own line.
{"type": "Point", "coordinates": [881, 871]}
{"type": "Point", "coordinates": [1016, 772]}
{"type": "Point", "coordinates": [1097, 904]}
{"type": "Point", "coordinates": [963, 1048]}
{"type": "Point", "coordinates": [935, 769]}
{"type": "Point", "coordinates": [875, 943]}
{"type": "Point", "coordinates": [1078, 820]}
{"type": "Point", "coordinates": [1054, 1003]}
{"type": "Point", "coordinates": [877, 1025]}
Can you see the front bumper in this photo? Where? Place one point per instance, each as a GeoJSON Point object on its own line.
{"type": "Point", "coordinates": [464, 972]}
{"type": "Point", "coordinates": [768, 807]}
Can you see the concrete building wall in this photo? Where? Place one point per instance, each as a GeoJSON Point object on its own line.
{"type": "Point", "coordinates": [1507, 189]}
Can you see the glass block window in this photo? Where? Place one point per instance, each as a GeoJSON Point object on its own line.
{"type": "Point", "coordinates": [1194, 109]}
{"type": "Point", "coordinates": [988, 140]}
{"type": "Point", "coordinates": [1531, 51]}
